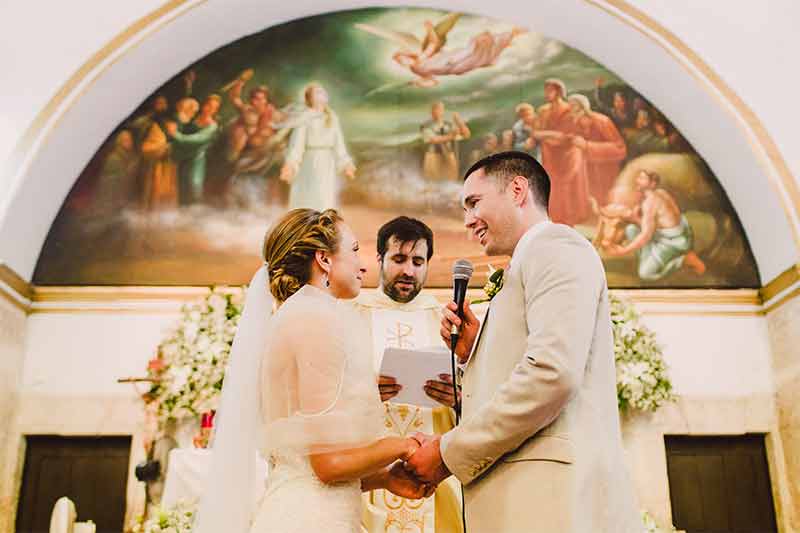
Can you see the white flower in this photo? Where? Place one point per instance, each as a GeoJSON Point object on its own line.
{"type": "Point", "coordinates": [217, 301]}
{"type": "Point", "coordinates": [202, 343]}
{"type": "Point", "coordinates": [195, 354]}
{"type": "Point", "coordinates": [642, 381]}
{"type": "Point", "coordinates": [178, 378]}
{"type": "Point", "coordinates": [190, 331]}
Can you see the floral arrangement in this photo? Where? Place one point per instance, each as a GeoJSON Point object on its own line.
{"type": "Point", "coordinates": [189, 367]}
{"type": "Point", "coordinates": [642, 380]}
{"type": "Point", "coordinates": [177, 519]}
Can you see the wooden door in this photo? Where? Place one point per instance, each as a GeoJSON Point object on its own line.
{"type": "Point", "coordinates": [720, 484]}
{"type": "Point", "coordinates": [91, 471]}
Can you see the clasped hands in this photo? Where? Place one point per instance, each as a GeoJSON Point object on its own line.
{"type": "Point", "coordinates": [420, 471]}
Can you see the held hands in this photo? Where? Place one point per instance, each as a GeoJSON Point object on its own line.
{"type": "Point", "coordinates": [400, 479]}
{"type": "Point", "coordinates": [404, 484]}
{"type": "Point", "coordinates": [426, 464]}
{"type": "Point", "coordinates": [468, 329]}
{"type": "Point", "coordinates": [350, 171]}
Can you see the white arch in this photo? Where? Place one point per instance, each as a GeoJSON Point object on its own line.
{"type": "Point", "coordinates": [44, 174]}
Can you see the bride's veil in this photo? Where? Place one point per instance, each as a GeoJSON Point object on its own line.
{"type": "Point", "coordinates": [228, 501]}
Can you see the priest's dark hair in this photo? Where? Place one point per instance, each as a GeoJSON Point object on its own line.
{"type": "Point", "coordinates": [404, 229]}
{"type": "Point", "coordinates": [507, 165]}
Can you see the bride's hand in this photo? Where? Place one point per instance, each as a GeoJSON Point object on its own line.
{"type": "Point", "coordinates": [412, 444]}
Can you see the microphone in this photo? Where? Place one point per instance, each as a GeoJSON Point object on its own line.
{"type": "Point", "coordinates": [462, 271]}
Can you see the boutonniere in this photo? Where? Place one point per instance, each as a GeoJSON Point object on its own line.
{"type": "Point", "coordinates": [493, 285]}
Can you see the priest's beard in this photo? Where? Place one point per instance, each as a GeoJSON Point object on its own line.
{"type": "Point", "coordinates": [402, 296]}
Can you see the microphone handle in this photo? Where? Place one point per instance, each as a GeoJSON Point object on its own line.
{"type": "Point", "coordinates": [459, 295]}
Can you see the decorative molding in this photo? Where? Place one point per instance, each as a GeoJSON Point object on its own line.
{"type": "Point", "coordinates": [691, 296]}
{"type": "Point", "coordinates": [783, 281]}
{"type": "Point", "coordinates": [14, 289]}
{"type": "Point", "coordinates": [117, 293]}
{"type": "Point", "coordinates": [15, 281]}
{"type": "Point", "coordinates": [789, 296]}
{"type": "Point", "coordinates": [167, 299]}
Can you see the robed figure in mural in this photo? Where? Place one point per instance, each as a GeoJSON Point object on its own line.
{"type": "Point", "coordinates": [600, 144]}
{"type": "Point", "coordinates": [564, 161]}
{"type": "Point", "coordinates": [316, 155]}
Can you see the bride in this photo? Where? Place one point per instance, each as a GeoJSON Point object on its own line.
{"type": "Point", "coordinates": [300, 390]}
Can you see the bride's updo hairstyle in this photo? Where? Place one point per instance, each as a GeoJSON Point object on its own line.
{"type": "Point", "coordinates": [291, 244]}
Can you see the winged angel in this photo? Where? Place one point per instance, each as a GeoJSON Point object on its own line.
{"type": "Point", "coordinates": [427, 59]}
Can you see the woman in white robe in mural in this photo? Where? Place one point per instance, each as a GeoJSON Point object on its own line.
{"type": "Point", "coordinates": [316, 154]}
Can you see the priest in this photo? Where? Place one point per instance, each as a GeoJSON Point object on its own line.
{"type": "Point", "coordinates": [400, 315]}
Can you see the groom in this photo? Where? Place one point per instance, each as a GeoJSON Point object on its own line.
{"type": "Point", "coordinates": [539, 448]}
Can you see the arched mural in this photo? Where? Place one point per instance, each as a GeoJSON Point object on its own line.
{"type": "Point", "coordinates": [378, 112]}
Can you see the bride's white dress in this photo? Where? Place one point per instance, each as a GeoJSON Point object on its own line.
{"type": "Point", "coordinates": [319, 394]}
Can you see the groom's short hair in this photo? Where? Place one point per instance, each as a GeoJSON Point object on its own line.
{"type": "Point", "coordinates": [507, 165]}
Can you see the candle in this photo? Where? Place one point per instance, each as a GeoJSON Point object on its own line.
{"type": "Point", "coordinates": [84, 527]}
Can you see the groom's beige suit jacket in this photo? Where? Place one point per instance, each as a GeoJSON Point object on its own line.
{"type": "Point", "coordinates": [539, 448]}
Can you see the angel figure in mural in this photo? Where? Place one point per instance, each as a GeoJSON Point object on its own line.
{"type": "Point", "coordinates": [316, 154]}
{"type": "Point", "coordinates": [427, 59]}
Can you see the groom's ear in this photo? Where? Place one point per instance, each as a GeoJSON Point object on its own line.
{"type": "Point", "coordinates": [520, 189]}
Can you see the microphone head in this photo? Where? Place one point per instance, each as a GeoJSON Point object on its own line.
{"type": "Point", "coordinates": [462, 269]}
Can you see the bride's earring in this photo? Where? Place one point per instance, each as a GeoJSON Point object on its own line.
{"type": "Point", "coordinates": [327, 281]}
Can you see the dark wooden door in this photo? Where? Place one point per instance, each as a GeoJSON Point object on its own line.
{"type": "Point", "coordinates": [720, 484]}
{"type": "Point", "coordinates": [91, 471]}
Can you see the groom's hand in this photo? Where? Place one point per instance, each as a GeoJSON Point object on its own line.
{"type": "Point", "coordinates": [468, 329]}
{"type": "Point", "coordinates": [426, 463]}
{"type": "Point", "coordinates": [406, 485]}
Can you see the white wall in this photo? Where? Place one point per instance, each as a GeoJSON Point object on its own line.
{"type": "Point", "coordinates": [716, 355]}
{"type": "Point", "coordinates": [83, 354]}
{"type": "Point", "coordinates": [42, 44]}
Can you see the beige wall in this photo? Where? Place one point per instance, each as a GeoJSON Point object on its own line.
{"type": "Point", "coordinates": [784, 332]}
{"type": "Point", "coordinates": [12, 349]}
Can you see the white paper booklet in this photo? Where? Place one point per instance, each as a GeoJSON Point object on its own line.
{"type": "Point", "coordinates": [412, 368]}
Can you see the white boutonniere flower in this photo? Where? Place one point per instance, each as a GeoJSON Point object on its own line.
{"type": "Point", "coordinates": [493, 285]}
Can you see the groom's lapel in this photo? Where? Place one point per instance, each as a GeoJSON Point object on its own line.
{"type": "Point", "coordinates": [480, 334]}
